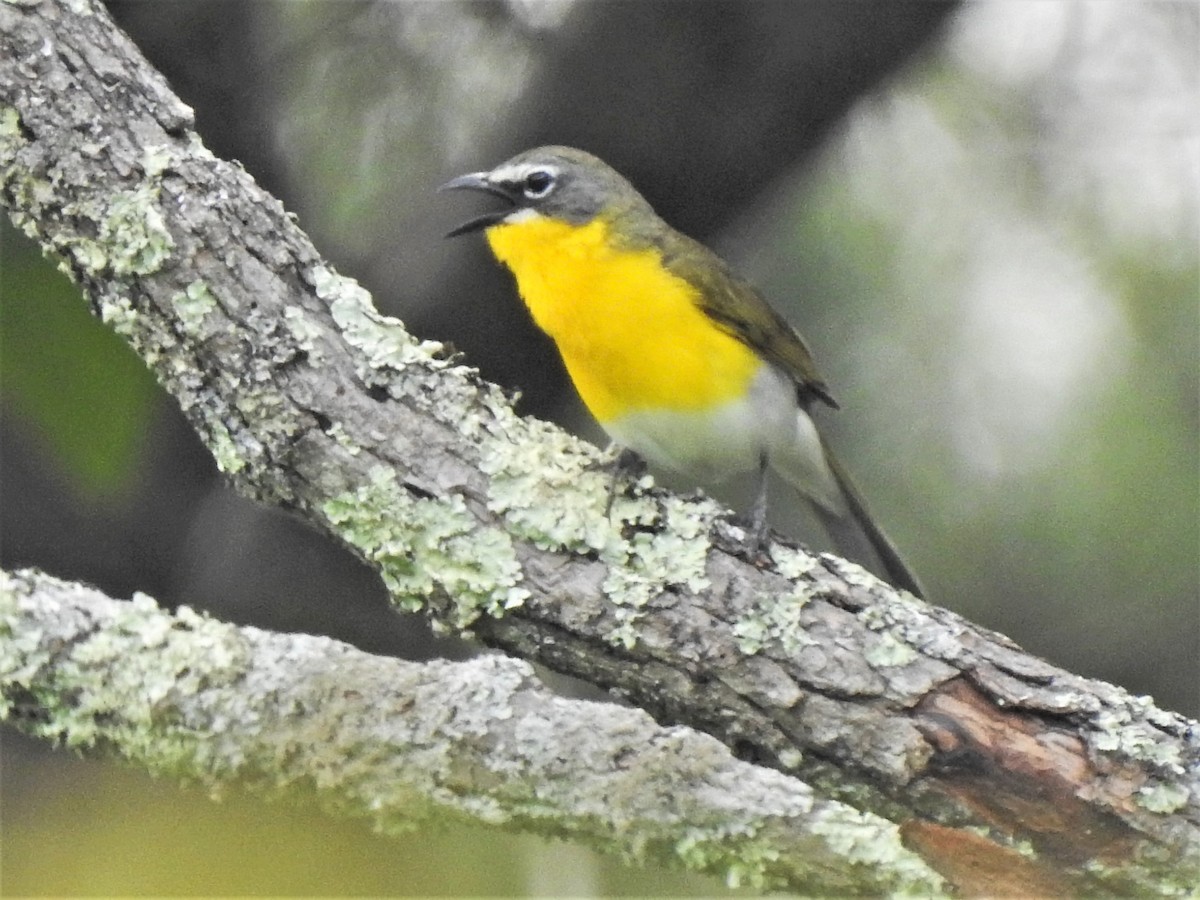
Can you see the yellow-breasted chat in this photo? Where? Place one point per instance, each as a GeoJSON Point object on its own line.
{"type": "Point", "coordinates": [679, 360]}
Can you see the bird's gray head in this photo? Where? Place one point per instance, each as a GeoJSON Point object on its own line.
{"type": "Point", "coordinates": [556, 182]}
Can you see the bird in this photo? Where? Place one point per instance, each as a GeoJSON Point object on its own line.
{"type": "Point", "coordinates": [680, 361]}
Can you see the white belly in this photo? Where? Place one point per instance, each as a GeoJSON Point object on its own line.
{"type": "Point", "coordinates": [716, 444]}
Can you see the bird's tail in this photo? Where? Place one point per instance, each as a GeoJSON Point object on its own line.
{"type": "Point", "coordinates": [856, 535]}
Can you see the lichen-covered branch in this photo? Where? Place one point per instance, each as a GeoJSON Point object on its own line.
{"type": "Point", "coordinates": [992, 761]}
{"type": "Point", "coordinates": [400, 743]}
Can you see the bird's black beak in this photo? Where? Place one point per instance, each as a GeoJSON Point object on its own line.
{"type": "Point", "coordinates": [478, 181]}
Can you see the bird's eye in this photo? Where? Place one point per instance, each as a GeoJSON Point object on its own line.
{"type": "Point", "coordinates": [538, 184]}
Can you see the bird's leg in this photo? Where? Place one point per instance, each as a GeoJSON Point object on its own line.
{"type": "Point", "coordinates": [627, 464]}
{"type": "Point", "coordinates": [758, 511]}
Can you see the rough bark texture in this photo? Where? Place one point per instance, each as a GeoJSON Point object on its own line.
{"type": "Point", "coordinates": [995, 763]}
{"type": "Point", "coordinates": [401, 743]}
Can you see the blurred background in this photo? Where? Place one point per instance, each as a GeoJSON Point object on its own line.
{"type": "Point", "coordinates": [983, 216]}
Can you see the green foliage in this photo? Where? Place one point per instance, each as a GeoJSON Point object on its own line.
{"type": "Point", "coordinates": [75, 381]}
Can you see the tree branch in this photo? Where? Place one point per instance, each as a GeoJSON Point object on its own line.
{"type": "Point", "coordinates": [994, 762]}
{"type": "Point", "coordinates": [401, 743]}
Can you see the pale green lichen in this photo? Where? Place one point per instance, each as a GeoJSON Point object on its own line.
{"type": "Point", "coordinates": [790, 759]}
{"type": "Point", "coordinates": [791, 562]}
{"type": "Point", "coordinates": [875, 843]}
{"type": "Point", "coordinates": [193, 304]}
{"type": "Point", "coordinates": [751, 867]}
{"type": "Point", "coordinates": [642, 567]}
{"type": "Point", "coordinates": [304, 330]}
{"type": "Point", "coordinates": [1023, 847]}
{"type": "Point", "coordinates": [425, 545]}
{"type": "Point", "coordinates": [443, 547]}
{"type": "Point", "coordinates": [1118, 733]}
{"type": "Point", "coordinates": [337, 431]}
{"type": "Point", "coordinates": [384, 340]}
{"type": "Point", "coordinates": [10, 128]}
{"type": "Point", "coordinates": [774, 622]}
{"type": "Point", "coordinates": [887, 650]}
{"type": "Point", "coordinates": [133, 234]}
{"type": "Point", "coordinates": [551, 491]}
{"type": "Point", "coordinates": [196, 148]}
{"type": "Point", "coordinates": [131, 237]}
{"type": "Point", "coordinates": [117, 313]}
{"type": "Point", "coordinates": [1159, 871]}
{"type": "Point", "coordinates": [23, 652]}
{"type": "Point", "coordinates": [728, 847]}
{"type": "Point", "coordinates": [749, 870]}
{"type": "Point", "coordinates": [24, 191]}
{"type": "Point", "coordinates": [750, 858]}
{"type": "Point", "coordinates": [528, 480]}
{"type": "Point", "coordinates": [898, 625]}
{"type": "Point", "coordinates": [876, 616]}
{"type": "Point", "coordinates": [855, 575]}
{"type": "Point", "coordinates": [1163, 798]}
{"type": "Point", "coordinates": [114, 677]}
{"type": "Point", "coordinates": [156, 159]}
{"type": "Point", "coordinates": [88, 255]}
{"type": "Point", "coordinates": [225, 451]}
{"type": "Point", "coordinates": [751, 633]}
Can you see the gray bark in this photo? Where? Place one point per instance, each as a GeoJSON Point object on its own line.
{"type": "Point", "coordinates": [1004, 772]}
{"type": "Point", "coordinates": [402, 743]}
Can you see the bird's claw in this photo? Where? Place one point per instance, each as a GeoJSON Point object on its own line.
{"type": "Point", "coordinates": [627, 464]}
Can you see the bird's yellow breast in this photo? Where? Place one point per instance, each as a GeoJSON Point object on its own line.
{"type": "Point", "coordinates": [630, 332]}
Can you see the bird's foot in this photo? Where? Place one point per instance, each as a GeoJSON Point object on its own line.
{"type": "Point", "coordinates": [627, 465]}
{"type": "Point", "coordinates": [756, 526]}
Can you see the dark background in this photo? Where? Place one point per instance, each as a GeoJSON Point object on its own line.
{"type": "Point", "coordinates": [983, 219]}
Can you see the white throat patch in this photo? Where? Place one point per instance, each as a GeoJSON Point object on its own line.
{"type": "Point", "coordinates": [524, 214]}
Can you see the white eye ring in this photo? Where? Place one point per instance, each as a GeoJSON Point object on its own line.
{"type": "Point", "coordinates": [538, 184]}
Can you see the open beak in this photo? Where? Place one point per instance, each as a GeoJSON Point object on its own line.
{"type": "Point", "coordinates": [478, 181]}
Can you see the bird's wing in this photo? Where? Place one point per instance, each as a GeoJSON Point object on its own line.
{"type": "Point", "coordinates": [741, 311]}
